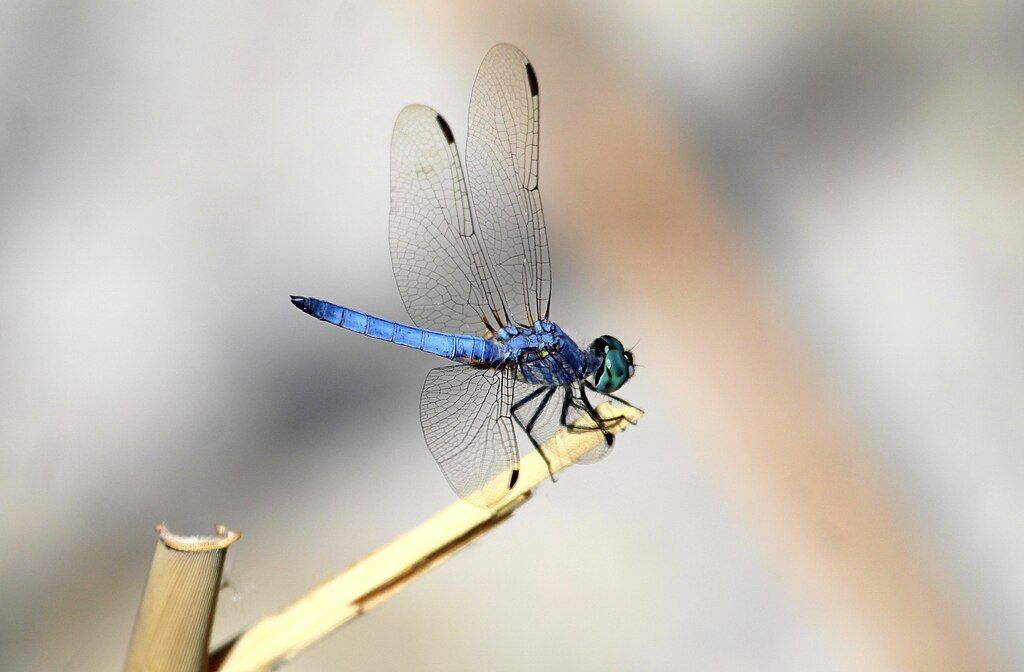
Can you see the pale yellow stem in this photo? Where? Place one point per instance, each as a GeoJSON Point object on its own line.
{"type": "Point", "coordinates": [281, 636]}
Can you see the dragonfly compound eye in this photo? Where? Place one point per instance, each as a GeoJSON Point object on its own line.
{"type": "Point", "coordinates": [617, 366]}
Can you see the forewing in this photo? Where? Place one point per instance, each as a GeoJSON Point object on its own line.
{"type": "Point", "coordinates": [502, 160]}
{"type": "Point", "coordinates": [467, 422]}
{"type": "Point", "coordinates": [438, 259]}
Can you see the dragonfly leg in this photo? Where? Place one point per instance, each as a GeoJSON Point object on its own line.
{"type": "Point", "coordinates": [600, 422]}
{"type": "Point", "coordinates": [528, 427]}
{"type": "Point", "coordinates": [568, 401]}
{"type": "Point", "coordinates": [590, 386]}
{"type": "Point", "coordinates": [583, 404]}
{"type": "Point", "coordinates": [528, 398]}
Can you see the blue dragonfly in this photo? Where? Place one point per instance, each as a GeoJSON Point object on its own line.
{"type": "Point", "coordinates": [471, 261]}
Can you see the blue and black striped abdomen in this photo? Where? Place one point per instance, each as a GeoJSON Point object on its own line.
{"type": "Point", "coordinates": [466, 349]}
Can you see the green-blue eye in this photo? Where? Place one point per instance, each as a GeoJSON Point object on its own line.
{"type": "Point", "coordinates": [617, 366]}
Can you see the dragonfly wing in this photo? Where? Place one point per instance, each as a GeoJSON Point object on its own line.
{"type": "Point", "coordinates": [467, 422]}
{"type": "Point", "coordinates": [502, 160]}
{"type": "Point", "coordinates": [438, 259]}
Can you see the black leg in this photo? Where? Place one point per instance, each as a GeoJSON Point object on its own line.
{"type": "Point", "coordinates": [615, 399]}
{"type": "Point", "coordinates": [528, 398]}
{"type": "Point", "coordinates": [528, 427]}
{"type": "Point", "coordinates": [540, 408]}
{"type": "Point", "coordinates": [601, 423]}
{"type": "Point", "coordinates": [566, 400]}
{"type": "Point", "coordinates": [590, 386]}
{"type": "Point", "coordinates": [582, 404]}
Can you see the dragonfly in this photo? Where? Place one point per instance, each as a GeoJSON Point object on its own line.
{"type": "Point", "coordinates": [471, 260]}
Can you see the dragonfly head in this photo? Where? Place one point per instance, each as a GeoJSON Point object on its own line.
{"type": "Point", "coordinates": [616, 364]}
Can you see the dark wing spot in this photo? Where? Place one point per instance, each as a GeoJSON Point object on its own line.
{"type": "Point", "coordinates": [532, 76]}
{"type": "Point", "coordinates": [446, 130]}
{"type": "Point", "coordinates": [512, 481]}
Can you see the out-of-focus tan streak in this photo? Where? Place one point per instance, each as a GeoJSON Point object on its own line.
{"type": "Point", "coordinates": [782, 445]}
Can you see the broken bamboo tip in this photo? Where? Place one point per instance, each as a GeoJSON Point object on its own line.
{"type": "Point", "coordinates": [222, 538]}
{"type": "Point", "coordinates": [175, 617]}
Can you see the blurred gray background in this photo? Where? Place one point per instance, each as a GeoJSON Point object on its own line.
{"type": "Point", "coordinates": [169, 174]}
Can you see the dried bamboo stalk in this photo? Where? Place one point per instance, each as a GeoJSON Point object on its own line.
{"type": "Point", "coordinates": [280, 637]}
{"type": "Point", "coordinates": [172, 627]}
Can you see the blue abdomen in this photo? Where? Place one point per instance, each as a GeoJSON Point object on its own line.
{"type": "Point", "coordinates": [466, 349]}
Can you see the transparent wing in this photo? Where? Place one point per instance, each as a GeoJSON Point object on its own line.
{"type": "Point", "coordinates": [438, 260]}
{"type": "Point", "coordinates": [467, 422]}
{"type": "Point", "coordinates": [501, 157]}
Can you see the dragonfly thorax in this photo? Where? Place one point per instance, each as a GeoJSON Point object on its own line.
{"type": "Point", "coordinates": [544, 354]}
{"type": "Point", "coordinates": [543, 335]}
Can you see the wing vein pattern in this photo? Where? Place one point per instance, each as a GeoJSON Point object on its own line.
{"type": "Point", "coordinates": [467, 423]}
{"type": "Point", "coordinates": [442, 271]}
{"type": "Point", "coordinates": [502, 158]}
